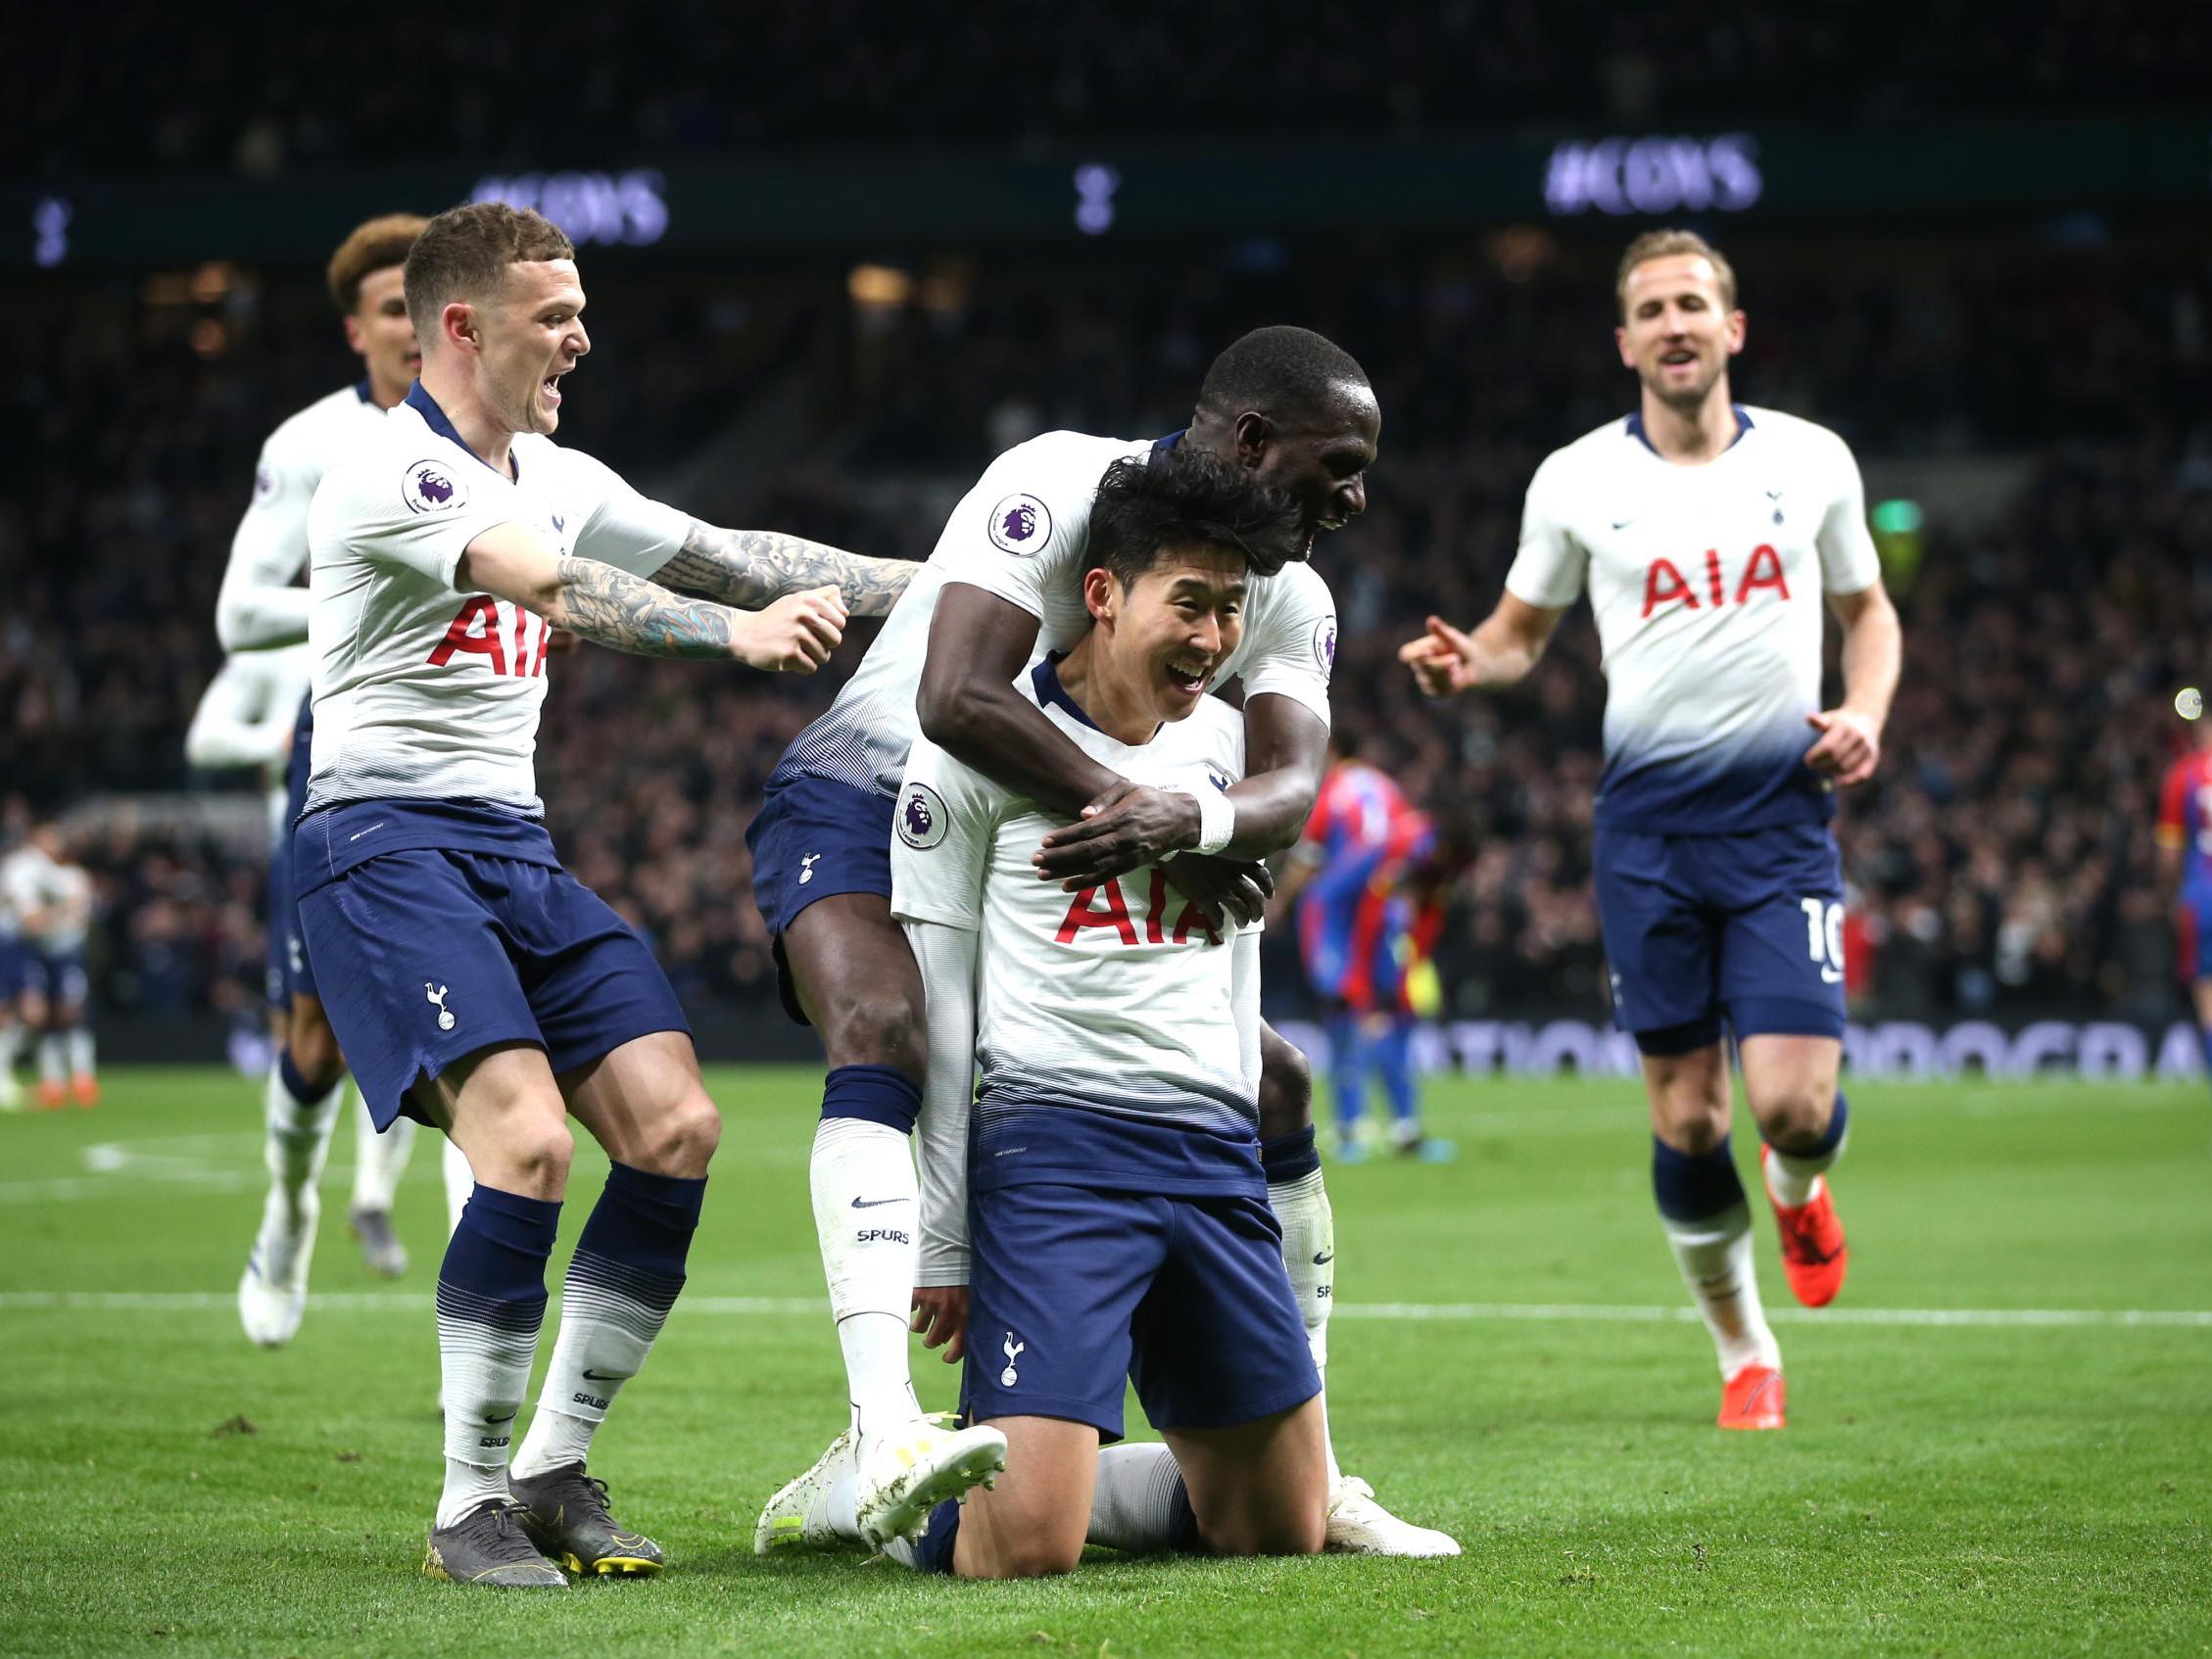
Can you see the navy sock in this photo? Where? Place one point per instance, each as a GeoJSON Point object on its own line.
{"type": "Point", "coordinates": [491, 1302]}
{"type": "Point", "coordinates": [1693, 1186]}
{"type": "Point", "coordinates": [879, 1094]}
{"type": "Point", "coordinates": [295, 1082]}
{"type": "Point", "coordinates": [932, 1552]}
{"type": "Point", "coordinates": [499, 1251]}
{"type": "Point", "coordinates": [644, 1221]}
{"type": "Point", "coordinates": [1183, 1535]}
{"type": "Point", "coordinates": [1824, 1144]}
{"type": "Point", "coordinates": [1289, 1158]}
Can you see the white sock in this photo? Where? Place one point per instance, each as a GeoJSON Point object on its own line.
{"type": "Point", "coordinates": [609, 1315]}
{"type": "Point", "coordinates": [461, 1181]}
{"type": "Point", "coordinates": [53, 1062]}
{"type": "Point", "coordinates": [1133, 1506]}
{"type": "Point", "coordinates": [867, 1215]}
{"type": "Point", "coordinates": [80, 1052]}
{"type": "Point", "coordinates": [1715, 1259]}
{"type": "Point", "coordinates": [484, 1368]}
{"type": "Point", "coordinates": [1794, 1181]}
{"type": "Point", "coordinates": [1308, 1256]}
{"type": "Point", "coordinates": [297, 1141]}
{"type": "Point", "coordinates": [379, 1159]}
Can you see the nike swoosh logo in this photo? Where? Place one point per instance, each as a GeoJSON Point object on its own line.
{"type": "Point", "coordinates": [1325, 1259]}
{"type": "Point", "coordinates": [1623, 523]}
{"type": "Point", "coordinates": [490, 1422]}
{"type": "Point", "coordinates": [875, 1203]}
{"type": "Point", "coordinates": [600, 1377]}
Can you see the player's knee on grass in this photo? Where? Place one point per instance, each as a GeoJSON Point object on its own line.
{"type": "Point", "coordinates": [680, 1141]}
{"type": "Point", "coordinates": [314, 1045]}
{"type": "Point", "coordinates": [1275, 1530]}
{"type": "Point", "coordinates": [1286, 1087]}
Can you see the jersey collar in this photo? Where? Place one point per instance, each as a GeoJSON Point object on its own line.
{"type": "Point", "coordinates": [434, 417]}
{"type": "Point", "coordinates": [1050, 694]}
{"type": "Point", "coordinates": [1173, 440]}
{"type": "Point", "coordinates": [1637, 432]}
{"type": "Point", "coordinates": [365, 392]}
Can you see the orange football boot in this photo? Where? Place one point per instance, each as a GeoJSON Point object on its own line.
{"type": "Point", "coordinates": [51, 1097]}
{"type": "Point", "coordinates": [85, 1090]}
{"type": "Point", "coordinates": [1754, 1397]}
{"type": "Point", "coordinates": [1814, 1255]}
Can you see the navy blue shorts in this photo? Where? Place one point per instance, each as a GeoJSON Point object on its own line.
{"type": "Point", "coordinates": [1747, 926]}
{"type": "Point", "coordinates": [812, 839]}
{"type": "Point", "coordinates": [429, 956]}
{"type": "Point", "coordinates": [1074, 1290]}
{"type": "Point", "coordinates": [288, 973]}
{"type": "Point", "coordinates": [57, 975]}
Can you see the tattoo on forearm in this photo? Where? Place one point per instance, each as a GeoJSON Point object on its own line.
{"type": "Point", "coordinates": [611, 607]}
{"type": "Point", "coordinates": [752, 567]}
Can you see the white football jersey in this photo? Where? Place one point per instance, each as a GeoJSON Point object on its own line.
{"type": "Point", "coordinates": [1022, 533]}
{"type": "Point", "coordinates": [261, 603]}
{"type": "Point", "coordinates": [52, 901]}
{"type": "Point", "coordinates": [1106, 1030]}
{"type": "Point", "coordinates": [422, 691]}
{"type": "Point", "coordinates": [1706, 583]}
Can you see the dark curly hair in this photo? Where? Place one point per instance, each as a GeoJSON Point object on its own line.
{"type": "Point", "coordinates": [1182, 498]}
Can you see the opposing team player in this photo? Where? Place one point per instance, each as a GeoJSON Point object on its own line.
{"type": "Point", "coordinates": [1005, 579]}
{"type": "Point", "coordinates": [2185, 856]}
{"type": "Point", "coordinates": [261, 612]}
{"type": "Point", "coordinates": [1117, 1201]}
{"type": "Point", "coordinates": [1706, 534]}
{"type": "Point", "coordinates": [471, 981]}
{"type": "Point", "coordinates": [1356, 938]}
{"type": "Point", "coordinates": [50, 896]}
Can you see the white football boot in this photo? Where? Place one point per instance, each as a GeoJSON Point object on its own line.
{"type": "Point", "coordinates": [921, 1462]}
{"type": "Point", "coordinates": [798, 1516]}
{"type": "Point", "coordinates": [1359, 1526]}
{"type": "Point", "coordinates": [272, 1293]}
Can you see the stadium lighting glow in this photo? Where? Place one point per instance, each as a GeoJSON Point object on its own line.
{"type": "Point", "coordinates": [1654, 174]}
{"type": "Point", "coordinates": [609, 210]}
{"type": "Point", "coordinates": [1898, 517]}
{"type": "Point", "coordinates": [1095, 184]}
{"type": "Point", "coordinates": [50, 232]}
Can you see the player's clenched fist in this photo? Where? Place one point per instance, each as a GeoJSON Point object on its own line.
{"type": "Point", "coordinates": [794, 635]}
{"type": "Point", "coordinates": [1438, 660]}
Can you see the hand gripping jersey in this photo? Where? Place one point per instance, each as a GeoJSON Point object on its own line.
{"type": "Point", "coordinates": [260, 604]}
{"type": "Point", "coordinates": [1106, 1031]}
{"type": "Point", "coordinates": [422, 691]}
{"type": "Point", "coordinates": [1023, 533]}
{"type": "Point", "coordinates": [1706, 585]}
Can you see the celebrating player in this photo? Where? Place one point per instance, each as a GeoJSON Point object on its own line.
{"type": "Point", "coordinates": [1706, 533]}
{"type": "Point", "coordinates": [473, 983]}
{"type": "Point", "coordinates": [51, 897]}
{"type": "Point", "coordinates": [1004, 580]}
{"type": "Point", "coordinates": [1355, 937]}
{"type": "Point", "coordinates": [1118, 1202]}
{"type": "Point", "coordinates": [2184, 857]}
{"type": "Point", "coordinates": [261, 615]}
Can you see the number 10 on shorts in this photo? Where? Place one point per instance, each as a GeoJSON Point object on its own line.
{"type": "Point", "coordinates": [1824, 937]}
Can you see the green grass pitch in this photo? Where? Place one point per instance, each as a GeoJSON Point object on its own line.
{"type": "Point", "coordinates": [1508, 1363]}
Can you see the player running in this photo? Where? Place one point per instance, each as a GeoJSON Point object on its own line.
{"type": "Point", "coordinates": [261, 613]}
{"type": "Point", "coordinates": [1114, 1186]}
{"type": "Point", "coordinates": [51, 897]}
{"type": "Point", "coordinates": [2185, 858]}
{"type": "Point", "coordinates": [1355, 937]}
{"type": "Point", "coordinates": [1706, 533]}
{"type": "Point", "coordinates": [474, 983]}
{"type": "Point", "coordinates": [1004, 584]}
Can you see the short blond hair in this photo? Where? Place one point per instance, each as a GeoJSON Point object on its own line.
{"type": "Point", "coordinates": [1664, 244]}
{"type": "Point", "coordinates": [463, 253]}
{"type": "Point", "coordinates": [374, 246]}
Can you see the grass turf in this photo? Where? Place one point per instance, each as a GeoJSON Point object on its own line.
{"type": "Point", "coordinates": [1504, 1364]}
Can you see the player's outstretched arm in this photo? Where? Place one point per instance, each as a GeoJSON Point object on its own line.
{"type": "Point", "coordinates": [1500, 651]}
{"type": "Point", "coordinates": [1850, 734]}
{"type": "Point", "coordinates": [752, 567]}
{"type": "Point", "coordinates": [628, 613]}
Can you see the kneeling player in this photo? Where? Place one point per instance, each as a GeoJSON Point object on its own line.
{"type": "Point", "coordinates": [1119, 1210]}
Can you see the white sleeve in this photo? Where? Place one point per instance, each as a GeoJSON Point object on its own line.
{"type": "Point", "coordinates": [1296, 647]}
{"type": "Point", "coordinates": [942, 826]}
{"type": "Point", "coordinates": [418, 514]}
{"type": "Point", "coordinates": [623, 528]}
{"type": "Point", "coordinates": [1551, 566]}
{"type": "Point", "coordinates": [1244, 1003]}
{"type": "Point", "coordinates": [261, 603]}
{"type": "Point", "coordinates": [946, 957]}
{"type": "Point", "coordinates": [1848, 563]}
{"type": "Point", "coordinates": [236, 724]}
{"type": "Point", "coordinates": [1026, 525]}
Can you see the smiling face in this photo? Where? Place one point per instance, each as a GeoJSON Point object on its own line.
{"type": "Point", "coordinates": [1158, 643]}
{"type": "Point", "coordinates": [524, 340]}
{"type": "Point", "coordinates": [379, 329]}
{"type": "Point", "coordinates": [1320, 463]}
{"type": "Point", "coordinates": [1677, 331]}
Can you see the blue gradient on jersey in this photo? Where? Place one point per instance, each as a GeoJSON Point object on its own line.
{"type": "Point", "coordinates": [1713, 791]}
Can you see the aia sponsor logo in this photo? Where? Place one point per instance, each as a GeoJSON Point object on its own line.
{"type": "Point", "coordinates": [510, 640]}
{"type": "Point", "coordinates": [1665, 584]}
{"type": "Point", "coordinates": [1105, 907]}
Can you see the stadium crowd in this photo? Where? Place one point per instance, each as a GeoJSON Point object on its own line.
{"type": "Point", "coordinates": [2003, 861]}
